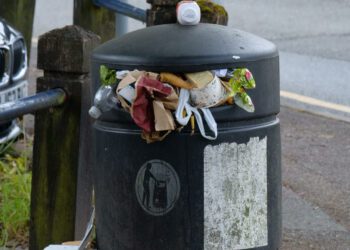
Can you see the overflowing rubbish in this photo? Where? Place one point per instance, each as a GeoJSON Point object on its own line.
{"type": "Point", "coordinates": [160, 103]}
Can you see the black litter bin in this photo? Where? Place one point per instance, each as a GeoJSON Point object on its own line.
{"type": "Point", "coordinates": [187, 192]}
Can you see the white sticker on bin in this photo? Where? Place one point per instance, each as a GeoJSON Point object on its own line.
{"type": "Point", "coordinates": [235, 195]}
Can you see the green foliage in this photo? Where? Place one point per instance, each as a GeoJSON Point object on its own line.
{"type": "Point", "coordinates": [15, 185]}
{"type": "Point", "coordinates": [107, 76]}
{"type": "Point", "coordinates": [6, 148]}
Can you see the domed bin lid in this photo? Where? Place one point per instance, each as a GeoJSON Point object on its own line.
{"type": "Point", "coordinates": [179, 48]}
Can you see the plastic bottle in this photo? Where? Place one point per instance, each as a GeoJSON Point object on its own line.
{"type": "Point", "coordinates": [104, 101]}
{"type": "Point", "coordinates": [188, 13]}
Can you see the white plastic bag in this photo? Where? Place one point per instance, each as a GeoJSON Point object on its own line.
{"type": "Point", "coordinates": [183, 120]}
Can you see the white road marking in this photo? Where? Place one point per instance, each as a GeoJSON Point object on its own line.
{"type": "Point", "coordinates": [315, 102]}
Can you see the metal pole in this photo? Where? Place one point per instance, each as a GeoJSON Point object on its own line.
{"type": "Point", "coordinates": [123, 8]}
{"type": "Point", "coordinates": [42, 100]}
{"type": "Point", "coordinates": [121, 22]}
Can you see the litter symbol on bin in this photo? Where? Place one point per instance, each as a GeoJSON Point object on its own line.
{"type": "Point", "coordinates": [157, 187]}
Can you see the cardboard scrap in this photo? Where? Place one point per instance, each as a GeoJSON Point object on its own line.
{"type": "Point", "coordinates": [77, 245]}
{"type": "Point", "coordinates": [163, 118]}
{"type": "Point", "coordinates": [200, 79]}
{"type": "Point", "coordinates": [142, 108]}
{"type": "Point", "coordinates": [176, 81]}
{"type": "Point", "coordinates": [129, 79]}
{"type": "Point", "coordinates": [171, 101]}
{"type": "Point", "coordinates": [155, 136]}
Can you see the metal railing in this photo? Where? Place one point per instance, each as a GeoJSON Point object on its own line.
{"type": "Point", "coordinates": [31, 104]}
{"type": "Point", "coordinates": [123, 8]}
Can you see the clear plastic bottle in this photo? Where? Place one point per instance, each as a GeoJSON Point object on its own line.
{"type": "Point", "coordinates": [104, 101]}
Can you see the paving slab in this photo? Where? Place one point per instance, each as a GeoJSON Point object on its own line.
{"type": "Point", "coordinates": [306, 240]}
{"type": "Point", "coordinates": [301, 215]}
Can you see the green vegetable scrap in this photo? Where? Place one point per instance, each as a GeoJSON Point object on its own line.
{"type": "Point", "coordinates": [244, 101]}
{"type": "Point", "coordinates": [246, 78]}
{"type": "Point", "coordinates": [241, 80]}
{"type": "Point", "coordinates": [107, 76]}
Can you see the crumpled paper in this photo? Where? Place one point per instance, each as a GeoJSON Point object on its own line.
{"type": "Point", "coordinates": [152, 105]}
{"type": "Point", "coordinates": [142, 108]}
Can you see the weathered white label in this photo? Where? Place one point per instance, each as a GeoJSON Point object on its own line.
{"type": "Point", "coordinates": [235, 195]}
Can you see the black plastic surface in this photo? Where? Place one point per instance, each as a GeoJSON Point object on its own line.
{"type": "Point", "coordinates": [121, 222]}
{"type": "Point", "coordinates": [178, 48]}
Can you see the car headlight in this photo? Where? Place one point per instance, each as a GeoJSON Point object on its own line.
{"type": "Point", "coordinates": [19, 59]}
{"type": "Point", "coordinates": [5, 65]}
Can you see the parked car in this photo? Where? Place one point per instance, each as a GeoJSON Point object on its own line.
{"type": "Point", "coordinates": [13, 69]}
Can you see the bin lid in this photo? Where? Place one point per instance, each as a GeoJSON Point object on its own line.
{"type": "Point", "coordinates": [179, 48]}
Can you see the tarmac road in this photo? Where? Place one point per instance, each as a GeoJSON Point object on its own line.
{"type": "Point", "coordinates": [313, 37]}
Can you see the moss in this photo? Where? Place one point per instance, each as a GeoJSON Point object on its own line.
{"type": "Point", "coordinates": [246, 211]}
{"type": "Point", "coordinates": [208, 8]}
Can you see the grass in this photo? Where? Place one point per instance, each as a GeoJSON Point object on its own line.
{"type": "Point", "coordinates": [15, 185]}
